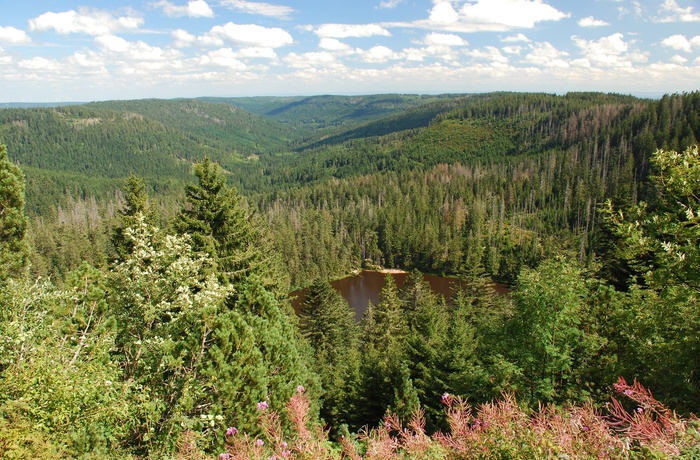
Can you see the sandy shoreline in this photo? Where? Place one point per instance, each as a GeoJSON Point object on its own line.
{"type": "Point", "coordinates": [391, 270]}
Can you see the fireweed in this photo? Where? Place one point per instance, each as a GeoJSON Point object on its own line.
{"type": "Point", "coordinates": [500, 430]}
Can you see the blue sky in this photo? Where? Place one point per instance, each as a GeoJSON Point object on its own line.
{"type": "Point", "coordinates": [68, 50]}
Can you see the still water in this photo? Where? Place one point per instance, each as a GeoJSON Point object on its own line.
{"type": "Point", "coordinates": [365, 287]}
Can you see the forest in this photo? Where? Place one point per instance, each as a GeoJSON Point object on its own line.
{"type": "Point", "coordinates": [147, 250]}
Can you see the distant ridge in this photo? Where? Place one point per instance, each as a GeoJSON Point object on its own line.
{"type": "Point", "coordinates": [34, 105]}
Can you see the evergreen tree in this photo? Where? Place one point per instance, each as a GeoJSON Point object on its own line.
{"type": "Point", "coordinates": [220, 225]}
{"type": "Point", "coordinates": [385, 330]}
{"type": "Point", "coordinates": [135, 205]}
{"type": "Point", "coordinates": [14, 246]}
{"type": "Point", "coordinates": [550, 339]}
{"type": "Point", "coordinates": [328, 323]}
{"type": "Point", "coordinates": [427, 353]}
{"type": "Point", "coordinates": [406, 402]}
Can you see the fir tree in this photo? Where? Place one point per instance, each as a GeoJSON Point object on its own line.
{"type": "Point", "coordinates": [14, 247]}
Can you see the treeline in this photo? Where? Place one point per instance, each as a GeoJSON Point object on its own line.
{"type": "Point", "coordinates": [185, 336]}
{"type": "Point", "coordinates": [182, 331]}
{"type": "Point", "coordinates": [505, 191]}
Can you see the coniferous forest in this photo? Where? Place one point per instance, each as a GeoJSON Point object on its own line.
{"type": "Point", "coordinates": [148, 249]}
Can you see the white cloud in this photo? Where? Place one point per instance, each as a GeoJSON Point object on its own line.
{"type": "Point", "coordinates": [510, 13]}
{"type": "Point", "coordinates": [610, 51]}
{"type": "Point", "coordinates": [436, 39]}
{"type": "Point", "coordinates": [489, 53]}
{"type": "Point", "coordinates": [13, 36]}
{"type": "Point", "coordinates": [224, 57]}
{"type": "Point", "coordinates": [39, 63]}
{"type": "Point", "coordinates": [485, 15]}
{"type": "Point", "coordinates": [248, 34]}
{"type": "Point", "coordinates": [590, 21]}
{"type": "Point", "coordinates": [193, 9]}
{"type": "Point", "coordinates": [546, 55]}
{"type": "Point", "coordinates": [257, 52]}
{"type": "Point", "coordinates": [677, 59]}
{"type": "Point", "coordinates": [4, 58]}
{"type": "Point", "coordinates": [263, 9]}
{"type": "Point", "coordinates": [332, 44]}
{"type": "Point", "coordinates": [310, 60]}
{"type": "Point", "coordinates": [86, 60]}
{"type": "Point", "coordinates": [512, 49]}
{"type": "Point", "coordinates": [515, 39]}
{"type": "Point", "coordinates": [379, 54]}
{"type": "Point", "coordinates": [681, 43]}
{"type": "Point", "coordinates": [182, 38]}
{"type": "Point", "coordinates": [135, 51]}
{"type": "Point", "coordinates": [670, 11]}
{"type": "Point", "coordinates": [389, 4]}
{"type": "Point", "coordinates": [444, 13]}
{"type": "Point", "coordinates": [350, 30]}
{"type": "Point", "coordinates": [84, 22]}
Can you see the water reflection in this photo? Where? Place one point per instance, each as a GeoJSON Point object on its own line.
{"type": "Point", "coordinates": [365, 287]}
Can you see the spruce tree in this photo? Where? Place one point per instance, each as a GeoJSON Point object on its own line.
{"type": "Point", "coordinates": [220, 224]}
{"type": "Point", "coordinates": [135, 204]}
{"type": "Point", "coordinates": [14, 247]}
{"type": "Point", "coordinates": [385, 330]}
{"type": "Point", "coordinates": [328, 323]}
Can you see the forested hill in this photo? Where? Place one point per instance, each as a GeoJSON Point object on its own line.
{"type": "Point", "coordinates": [144, 301]}
{"type": "Point", "coordinates": [269, 144]}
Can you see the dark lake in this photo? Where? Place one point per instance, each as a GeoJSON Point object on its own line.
{"type": "Point", "coordinates": [365, 287]}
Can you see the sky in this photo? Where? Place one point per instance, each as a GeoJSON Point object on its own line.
{"type": "Point", "coordinates": [86, 50]}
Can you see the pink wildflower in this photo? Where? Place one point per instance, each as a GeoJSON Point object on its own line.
{"type": "Point", "coordinates": [259, 443]}
{"type": "Point", "coordinates": [224, 456]}
{"type": "Point", "coordinates": [286, 453]}
{"type": "Point", "coordinates": [262, 406]}
{"type": "Point", "coordinates": [231, 431]}
{"type": "Point", "coordinates": [301, 389]}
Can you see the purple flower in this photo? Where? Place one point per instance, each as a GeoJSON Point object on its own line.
{"type": "Point", "coordinates": [262, 406]}
{"type": "Point", "coordinates": [301, 389]}
{"type": "Point", "coordinates": [284, 444]}
{"type": "Point", "coordinates": [231, 431]}
{"type": "Point", "coordinates": [640, 410]}
{"type": "Point", "coordinates": [446, 398]}
{"type": "Point", "coordinates": [274, 457]}
{"type": "Point", "coordinates": [286, 453]}
{"type": "Point", "coordinates": [628, 392]}
{"type": "Point", "coordinates": [224, 456]}
{"type": "Point", "coordinates": [259, 443]}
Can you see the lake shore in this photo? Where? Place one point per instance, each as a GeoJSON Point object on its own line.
{"type": "Point", "coordinates": [390, 270]}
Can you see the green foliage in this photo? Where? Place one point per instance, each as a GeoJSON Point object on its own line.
{"type": "Point", "coordinates": [659, 240]}
{"type": "Point", "coordinates": [550, 339]}
{"type": "Point", "coordinates": [328, 324]}
{"type": "Point", "coordinates": [135, 205]}
{"type": "Point", "coordinates": [14, 248]}
{"type": "Point", "coordinates": [61, 391]}
{"type": "Point", "coordinates": [220, 225]}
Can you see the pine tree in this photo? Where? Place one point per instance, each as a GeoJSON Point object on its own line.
{"type": "Point", "coordinates": [14, 246]}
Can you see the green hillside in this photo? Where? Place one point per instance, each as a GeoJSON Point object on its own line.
{"type": "Point", "coordinates": [224, 126]}
{"type": "Point", "coordinates": [144, 301]}
{"type": "Point", "coordinates": [331, 112]}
